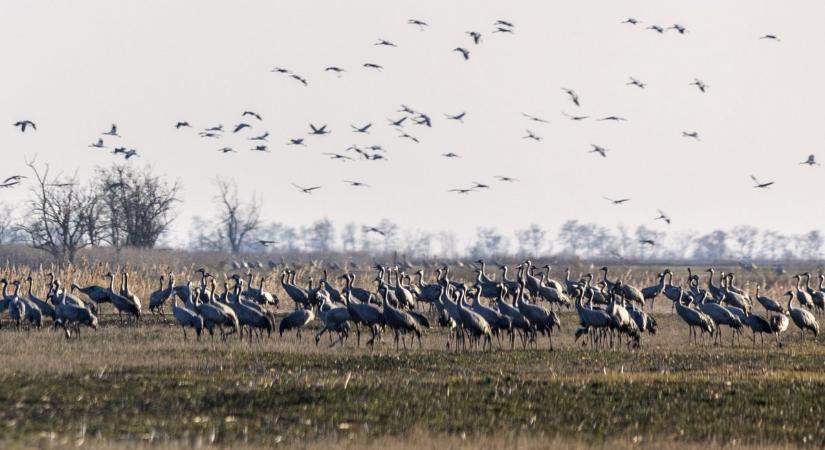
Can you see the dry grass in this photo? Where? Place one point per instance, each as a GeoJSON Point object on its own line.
{"type": "Point", "coordinates": [142, 384]}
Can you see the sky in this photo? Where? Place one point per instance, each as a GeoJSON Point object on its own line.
{"type": "Point", "coordinates": [76, 67]}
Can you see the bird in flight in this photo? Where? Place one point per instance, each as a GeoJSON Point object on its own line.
{"type": "Point", "coordinates": [617, 201]}
{"type": "Point", "coordinates": [700, 84]}
{"type": "Point", "coordinates": [209, 134]}
{"type": "Point", "coordinates": [300, 79]}
{"type": "Point", "coordinates": [130, 153]}
{"type": "Point", "coordinates": [614, 118]}
{"type": "Point", "coordinates": [226, 150]}
{"type": "Point", "coordinates": [372, 66]}
{"type": "Point", "coordinates": [811, 161]}
{"type": "Point", "coordinates": [266, 242]}
{"type": "Point", "coordinates": [534, 118]}
{"type": "Point", "coordinates": [531, 135]}
{"type": "Point", "coordinates": [421, 24]}
{"type": "Point", "coordinates": [504, 23]}
{"type": "Point", "coordinates": [477, 185]}
{"type": "Point", "coordinates": [306, 190]}
{"type": "Point", "coordinates": [464, 52]}
{"type": "Point", "coordinates": [335, 69]}
{"type": "Point", "coordinates": [356, 183]}
{"type": "Point", "coordinates": [451, 155]}
{"type": "Point", "coordinates": [631, 21]}
{"type": "Point", "coordinates": [679, 28]}
{"type": "Point", "coordinates": [574, 97]}
{"type": "Point", "coordinates": [663, 216]}
{"type": "Point", "coordinates": [368, 229]}
{"type": "Point", "coordinates": [318, 131]}
{"type": "Point", "coordinates": [771, 37]}
{"type": "Point", "coordinates": [343, 158]}
{"type": "Point", "coordinates": [98, 144]}
{"type": "Point", "coordinates": [475, 35]}
{"type": "Point", "coordinates": [240, 127]}
{"type": "Point", "coordinates": [11, 181]}
{"type": "Point", "coordinates": [398, 123]}
{"type": "Point", "coordinates": [407, 136]}
{"type": "Point", "coordinates": [462, 191]}
{"type": "Point", "coordinates": [576, 118]}
{"type": "Point", "coordinates": [23, 124]}
{"type": "Point", "coordinates": [253, 114]}
{"type": "Point", "coordinates": [386, 43]}
{"type": "Point", "coordinates": [649, 242]}
{"type": "Point", "coordinates": [364, 129]}
{"type": "Point", "coordinates": [760, 185]}
{"type": "Point", "coordinates": [218, 128]}
{"type": "Point", "coordinates": [112, 131]}
{"type": "Point", "coordinates": [262, 137]}
{"type": "Point", "coordinates": [259, 148]}
{"type": "Point", "coordinates": [637, 83]}
{"type": "Point", "coordinates": [692, 134]}
{"type": "Point", "coordinates": [503, 30]}
{"type": "Point", "coordinates": [598, 149]}
{"type": "Point", "coordinates": [656, 28]}
{"type": "Point", "coordinates": [298, 141]}
{"type": "Point", "coordinates": [458, 117]}
{"type": "Point", "coordinates": [423, 119]}
{"type": "Point", "coordinates": [180, 125]}
{"type": "Point", "coordinates": [506, 179]}
{"type": "Point", "coordinates": [279, 70]}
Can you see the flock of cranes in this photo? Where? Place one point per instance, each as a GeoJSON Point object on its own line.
{"type": "Point", "coordinates": [475, 313]}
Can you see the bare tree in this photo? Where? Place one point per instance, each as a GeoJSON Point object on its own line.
{"type": "Point", "coordinates": [56, 221]}
{"type": "Point", "coordinates": [349, 237]}
{"type": "Point", "coordinates": [320, 236]}
{"type": "Point", "coordinates": [138, 205]}
{"type": "Point", "coordinates": [237, 219]}
{"type": "Point", "coordinates": [489, 242]}
{"type": "Point", "coordinates": [744, 236]}
{"type": "Point", "coordinates": [531, 240]}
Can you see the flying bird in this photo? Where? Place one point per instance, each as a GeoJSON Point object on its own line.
{"type": "Point", "coordinates": [306, 190]}
{"type": "Point", "coordinates": [386, 43]}
{"type": "Point", "coordinates": [504, 23]}
{"type": "Point", "coordinates": [298, 141]}
{"type": "Point", "coordinates": [649, 242]}
{"type": "Point", "coordinates": [477, 185]}
{"type": "Point", "coordinates": [262, 137]}
{"type": "Point", "coordinates": [598, 149]}
{"type": "Point", "coordinates": [464, 52]}
{"type": "Point", "coordinates": [180, 125]}
{"type": "Point", "coordinates": [98, 144]}
{"type": "Point", "coordinates": [130, 154]}
{"type": "Point", "coordinates": [700, 84]}
{"type": "Point", "coordinates": [631, 21]}
{"type": "Point", "coordinates": [423, 119]}
{"type": "Point", "coordinates": [376, 230]}
{"type": "Point", "coordinates": [364, 129]}
{"type": "Point", "coordinates": [259, 148]}
{"type": "Point", "coordinates": [240, 127]}
{"type": "Point", "coordinates": [218, 128]}
{"type": "Point", "coordinates": [398, 123]}
{"type": "Point", "coordinates": [372, 66]}
{"type": "Point", "coordinates": [267, 242]}
{"type": "Point", "coordinates": [209, 134]}
{"type": "Point", "coordinates": [574, 97]}
{"type": "Point", "coordinates": [300, 79]}
{"type": "Point", "coordinates": [614, 118]}
{"type": "Point", "coordinates": [279, 70]}
{"type": "Point", "coordinates": [692, 134]}
{"type": "Point", "coordinates": [760, 185]}
{"type": "Point", "coordinates": [534, 118]}
{"type": "Point", "coordinates": [407, 136]}
{"type": "Point", "coordinates": [576, 118]}
{"type": "Point", "coordinates": [451, 155]}
{"type": "Point", "coordinates": [679, 28]}
{"type": "Point", "coordinates": [637, 83]}
{"type": "Point", "coordinates": [253, 114]}
{"type": "Point", "coordinates": [335, 69]}
{"type": "Point", "coordinates": [531, 135]}
{"type": "Point", "coordinates": [475, 35]}
{"type": "Point", "coordinates": [663, 216]}
{"type": "Point", "coordinates": [462, 191]}
{"type": "Point", "coordinates": [226, 150]}
{"type": "Point", "coordinates": [318, 131]}
{"type": "Point", "coordinates": [112, 131]}
{"type": "Point", "coordinates": [356, 183]}
{"type": "Point", "coordinates": [811, 161]}
{"type": "Point", "coordinates": [458, 117]}
{"type": "Point", "coordinates": [14, 178]}
{"type": "Point", "coordinates": [419, 23]}
{"type": "Point", "coordinates": [503, 30]}
{"type": "Point", "coordinates": [772, 37]}
{"type": "Point", "coordinates": [656, 28]}
{"type": "Point", "coordinates": [343, 158]}
{"type": "Point", "coordinates": [23, 124]}
{"type": "Point", "coordinates": [506, 179]}
{"type": "Point", "coordinates": [617, 201]}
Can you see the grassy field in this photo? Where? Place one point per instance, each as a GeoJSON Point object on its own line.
{"type": "Point", "coordinates": [141, 385]}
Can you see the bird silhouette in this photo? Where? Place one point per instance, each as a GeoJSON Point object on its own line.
{"type": "Point", "coordinates": [771, 37]}
{"type": "Point", "coordinates": [298, 141]}
{"type": "Point", "coordinates": [464, 52]}
{"type": "Point", "coordinates": [462, 190]}
{"type": "Point", "coordinates": [760, 185]}
{"type": "Point", "coordinates": [503, 30]}
{"type": "Point", "coordinates": [364, 129]}
{"type": "Point", "coordinates": [451, 155]}
{"type": "Point", "coordinates": [679, 28]}
{"type": "Point", "coordinates": [343, 158]}
{"type": "Point", "coordinates": [476, 36]}
{"type": "Point", "coordinates": [218, 128]}
{"type": "Point", "coordinates": [262, 137]}
{"type": "Point", "coordinates": [656, 28]}
{"type": "Point", "coordinates": [251, 113]}
{"type": "Point", "coordinates": [458, 117]}
{"type": "Point", "coordinates": [373, 66]}
{"type": "Point", "coordinates": [598, 149]}
{"type": "Point", "coordinates": [534, 118]}
{"type": "Point", "coordinates": [663, 216]}
{"type": "Point", "coordinates": [226, 150]}
{"type": "Point", "coordinates": [811, 161]}
{"type": "Point", "coordinates": [649, 242]}
{"type": "Point", "coordinates": [477, 185]}
{"type": "Point", "coordinates": [574, 97]}
{"type": "Point", "coordinates": [335, 69]}
{"type": "Point", "coordinates": [397, 123]}
{"type": "Point", "coordinates": [385, 43]}
{"type": "Point", "coordinates": [407, 136]}
{"type": "Point", "coordinates": [356, 183]}
{"type": "Point", "coordinates": [308, 190]}
{"type": "Point", "coordinates": [300, 79]}
{"type": "Point", "coordinates": [23, 124]}
{"type": "Point", "coordinates": [691, 134]}
{"type": "Point", "coordinates": [240, 127]}
{"type": "Point", "coordinates": [259, 148]}
{"type": "Point", "coordinates": [504, 23]}
{"type": "Point", "coordinates": [614, 118]}
{"type": "Point", "coordinates": [531, 135]}
{"type": "Point", "coordinates": [700, 84]}
{"type": "Point", "coordinates": [619, 201]}
{"type": "Point", "coordinates": [419, 23]}
{"type": "Point", "coordinates": [112, 131]}
{"type": "Point", "coordinates": [180, 125]}
{"type": "Point", "coordinates": [423, 119]}
{"type": "Point", "coordinates": [98, 144]}
{"type": "Point", "coordinates": [318, 131]}
{"type": "Point", "coordinates": [279, 70]}
{"type": "Point", "coordinates": [368, 229]}
{"type": "Point", "coordinates": [131, 153]}
{"type": "Point", "coordinates": [631, 21]}
{"type": "Point", "coordinates": [506, 179]}
{"type": "Point", "coordinates": [267, 242]}
{"type": "Point", "coordinates": [209, 134]}
{"type": "Point", "coordinates": [637, 83]}
{"type": "Point", "coordinates": [576, 118]}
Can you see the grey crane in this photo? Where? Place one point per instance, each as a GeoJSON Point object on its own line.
{"type": "Point", "coordinates": [248, 316]}
{"type": "Point", "coordinates": [720, 316]}
{"type": "Point", "coordinates": [213, 313]}
{"type": "Point", "coordinates": [69, 313]}
{"type": "Point", "coordinates": [183, 315]}
{"type": "Point", "coordinates": [651, 292]}
{"type": "Point", "coordinates": [803, 296]}
{"type": "Point", "coordinates": [768, 303]}
{"type": "Point", "coordinates": [779, 323]}
{"type": "Point", "coordinates": [592, 320]}
{"type": "Point", "coordinates": [498, 322]}
{"type": "Point", "coordinates": [693, 317]}
{"type": "Point", "coordinates": [121, 303]}
{"type": "Point", "coordinates": [540, 319]}
{"type": "Point", "coordinates": [802, 318]}
{"type": "Point", "coordinates": [44, 306]}
{"type": "Point", "coordinates": [296, 320]}
{"type": "Point", "coordinates": [125, 292]}
{"type": "Point", "coordinates": [159, 297]}
{"type": "Point", "coordinates": [362, 313]}
{"type": "Point", "coordinates": [400, 321]}
{"type": "Point", "coordinates": [474, 324]}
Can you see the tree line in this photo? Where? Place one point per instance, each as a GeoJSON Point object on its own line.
{"type": "Point", "coordinates": [126, 206]}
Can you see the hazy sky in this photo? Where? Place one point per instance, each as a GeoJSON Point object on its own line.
{"type": "Point", "coordinates": [76, 67]}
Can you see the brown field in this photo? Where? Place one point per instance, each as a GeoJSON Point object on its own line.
{"type": "Point", "coordinates": [141, 385]}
